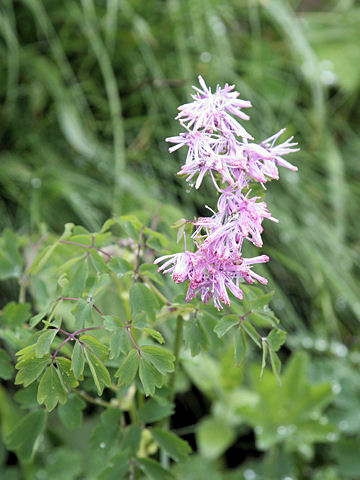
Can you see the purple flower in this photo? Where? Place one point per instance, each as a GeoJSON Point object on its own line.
{"type": "Point", "coordinates": [219, 146]}
{"type": "Point", "coordinates": [239, 217]}
{"type": "Point", "coordinates": [212, 275]}
{"type": "Point", "coordinates": [212, 110]}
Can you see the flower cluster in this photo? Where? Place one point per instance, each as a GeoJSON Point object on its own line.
{"type": "Point", "coordinates": [219, 146]}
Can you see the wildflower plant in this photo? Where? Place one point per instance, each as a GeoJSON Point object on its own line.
{"type": "Point", "coordinates": [220, 146]}
{"type": "Point", "coordinates": [108, 332]}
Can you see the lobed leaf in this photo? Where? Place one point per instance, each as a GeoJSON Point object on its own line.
{"type": "Point", "coordinates": [177, 448]}
{"type": "Point", "coordinates": [77, 361]}
{"type": "Point", "coordinates": [150, 377]}
{"type": "Point", "coordinates": [226, 324]}
{"type": "Point", "coordinates": [154, 470]}
{"type": "Point", "coordinates": [95, 346]}
{"type": "Point", "coordinates": [22, 439]}
{"type": "Point", "coordinates": [162, 359]}
{"type": "Point", "coordinates": [195, 336]}
{"type": "Point", "coordinates": [276, 338]}
{"type": "Point", "coordinates": [51, 390]}
{"type": "Point", "coordinates": [44, 342]}
{"type": "Point", "coordinates": [127, 371]}
{"type": "Point", "coordinates": [99, 372]}
{"type": "Point", "coordinates": [30, 368]}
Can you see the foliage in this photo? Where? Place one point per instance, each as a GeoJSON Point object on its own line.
{"type": "Point", "coordinates": [87, 90]}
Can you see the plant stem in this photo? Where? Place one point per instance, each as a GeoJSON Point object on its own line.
{"type": "Point", "coordinates": [165, 462]}
{"type": "Point", "coordinates": [176, 351]}
{"type": "Point", "coordinates": [89, 247]}
{"type": "Point", "coordinates": [128, 330]}
{"type": "Point", "coordinates": [95, 401]}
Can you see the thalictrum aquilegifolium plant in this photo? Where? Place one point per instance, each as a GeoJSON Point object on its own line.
{"type": "Point", "coordinates": [109, 331]}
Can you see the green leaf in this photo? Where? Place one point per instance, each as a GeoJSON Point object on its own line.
{"type": "Point", "coordinates": [99, 372]}
{"type": "Point", "coordinates": [276, 338]}
{"type": "Point", "coordinates": [119, 343]}
{"type": "Point", "coordinates": [44, 342]}
{"type": "Point", "coordinates": [162, 359]}
{"type": "Point", "coordinates": [11, 263]}
{"type": "Point", "coordinates": [128, 369]}
{"type": "Point", "coordinates": [70, 414]}
{"type": "Point", "coordinates": [275, 365]}
{"type": "Point", "coordinates": [41, 260]}
{"type": "Point", "coordinates": [107, 225]}
{"type": "Point", "coordinates": [99, 263]}
{"type": "Point", "coordinates": [214, 436]}
{"type": "Point", "coordinates": [119, 465]}
{"type": "Point", "coordinates": [109, 432]}
{"type": "Point", "coordinates": [51, 390]}
{"type": "Point", "coordinates": [82, 313]}
{"type": "Point", "coordinates": [154, 470]}
{"type": "Point", "coordinates": [264, 355]}
{"type": "Point", "coordinates": [154, 410]}
{"type": "Point", "coordinates": [130, 224]}
{"type": "Point", "coordinates": [67, 375]}
{"type": "Point", "coordinates": [131, 440]}
{"type": "Point", "coordinates": [154, 334]}
{"type": "Point", "coordinates": [6, 368]}
{"type": "Point", "coordinates": [30, 368]}
{"type": "Point", "coordinates": [174, 446]}
{"type": "Point", "coordinates": [261, 301]}
{"type": "Point", "coordinates": [76, 286]}
{"type": "Point", "coordinates": [142, 299]}
{"type": "Point", "coordinates": [37, 318]}
{"type": "Point", "coordinates": [250, 330]}
{"type": "Point", "coordinates": [23, 438]}
{"type": "Point", "coordinates": [151, 271]}
{"type": "Point", "coordinates": [77, 361]}
{"type": "Point", "coordinates": [15, 314]}
{"type": "Point", "coordinates": [26, 397]}
{"type": "Point", "coordinates": [240, 346]}
{"type": "Point", "coordinates": [226, 324]}
{"type": "Point", "coordinates": [97, 348]}
{"type": "Point", "coordinates": [195, 336]}
{"type": "Point", "coordinates": [150, 377]}
{"type": "Point", "coordinates": [113, 323]}
{"type": "Point", "coordinates": [120, 266]}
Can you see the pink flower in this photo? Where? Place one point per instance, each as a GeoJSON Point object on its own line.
{"type": "Point", "coordinates": [212, 110]}
{"type": "Point", "coordinates": [210, 274]}
{"type": "Point", "coordinates": [217, 267]}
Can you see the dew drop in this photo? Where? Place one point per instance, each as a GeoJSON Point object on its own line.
{"type": "Point", "coordinates": [343, 425]}
{"type": "Point", "coordinates": [36, 182]}
{"type": "Point", "coordinates": [323, 420]}
{"type": "Point", "coordinates": [205, 57]}
{"type": "Point", "coordinates": [332, 437]}
{"type": "Point", "coordinates": [340, 350]}
{"type": "Point", "coordinates": [336, 388]}
{"type": "Point", "coordinates": [328, 77]}
{"type": "Point", "coordinates": [321, 344]}
{"type": "Point", "coordinates": [307, 342]}
{"type": "Point", "coordinates": [282, 430]}
{"type": "Point", "coordinates": [249, 474]}
{"type": "Point", "coordinates": [102, 445]}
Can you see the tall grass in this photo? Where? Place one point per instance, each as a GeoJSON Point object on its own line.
{"type": "Point", "coordinates": [88, 92]}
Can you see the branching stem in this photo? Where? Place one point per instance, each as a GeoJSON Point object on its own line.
{"type": "Point", "coordinates": [89, 247]}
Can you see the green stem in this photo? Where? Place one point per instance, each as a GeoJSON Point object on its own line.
{"type": "Point", "coordinates": [164, 459]}
{"type": "Point", "coordinates": [176, 351]}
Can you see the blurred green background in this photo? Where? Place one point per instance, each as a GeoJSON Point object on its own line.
{"type": "Point", "coordinates": [89, 90]}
